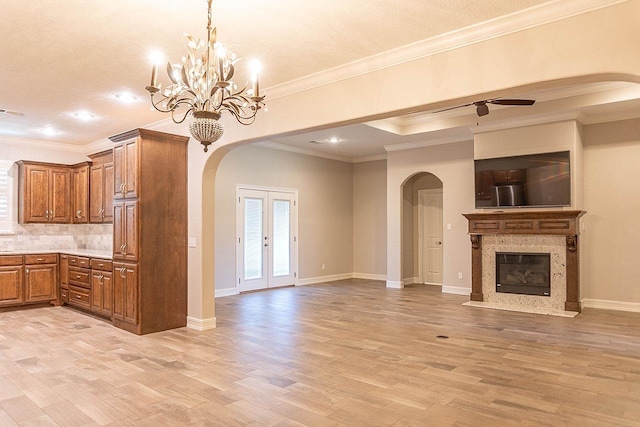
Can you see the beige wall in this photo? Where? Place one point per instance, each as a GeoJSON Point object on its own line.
{"type": "Point", "coordinates": [453, 165]}
{"type": "Point", "coordinates": [610, 242]}
{"type": "Point", "coordinates": [370, 219]}
{"type": "Point", "coordinates": [325, 208]}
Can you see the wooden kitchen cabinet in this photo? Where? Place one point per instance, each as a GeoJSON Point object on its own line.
{"type": "Point", "coordinates": [102, 287]}
{"type": "Point", "coordinates": [126, 169]}
{"type": "Point", "coordinates": [44, 194]}
{"type": "Point", "coordinates": [101, 188]}
{"type": "Point", "coordinates": [80, 193]}
{"type": "Point", "coordinates": [11, 280]}
{"type": "Point", "coordinates": [125, 294]}
{"type": "Point", "coordinates": [150, 231]}
{"type": "Point", "coordinates": [125, 230]}
{"type": "Point", "coordinates": [40, 278]}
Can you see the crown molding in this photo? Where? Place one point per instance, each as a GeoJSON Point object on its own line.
{"type": "Point", "coordinates": [97, 146]}
{"type": "Point", "coordinates": [369, 158]}
{"type": "Point", "coordinates": [299, 150]}
{"type": "Point", "coordinates": [524, 19]}
{"type": "Point", "coordinates": [427, 143]}
{"type": "Point", "coordinates": [39, 143]}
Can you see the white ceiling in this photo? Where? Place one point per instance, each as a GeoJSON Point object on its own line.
{"type": "Point", "coordinates": [63, 57]}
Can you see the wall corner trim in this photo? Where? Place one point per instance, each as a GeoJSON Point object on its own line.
{"type": "Point", "coordinates": [201, 324]}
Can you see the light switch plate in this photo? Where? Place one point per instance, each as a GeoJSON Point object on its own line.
{"type": "Point", "coordinates": [192, 242]}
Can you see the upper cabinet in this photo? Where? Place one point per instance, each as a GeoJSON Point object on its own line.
{"type": "Point", "coordinates": [44, 193]}
{"type": "Point", "coordinates": [80, 193]}
{"type": "Point", "coordinates": [101, 189]}
{"type": "Point", "coordinates": [126, 169]}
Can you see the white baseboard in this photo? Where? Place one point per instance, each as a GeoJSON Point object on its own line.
{"type": "Point", "coordinates": [221, 293]}
{"type": "Point", "coordinates": [368, 276]}
{"type": "Point", "coordinates": [201, 324]}
{"type": "Point", "coordinates": [611, 305]}
{"type": "Point", "coordinates": [394, 284]}
{"type": "Point", "coordinates": [410, 281]}
{"type": "Point", "coordinates": [456, 290]}
{"type": "Point", "coordinates": [323, 279]}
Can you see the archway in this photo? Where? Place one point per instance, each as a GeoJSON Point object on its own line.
{"type": "Point", "coordinates": [422, 240]}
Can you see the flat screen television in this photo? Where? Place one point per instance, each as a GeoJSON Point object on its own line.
{"type": "Point", "coordinates": [535, 180]}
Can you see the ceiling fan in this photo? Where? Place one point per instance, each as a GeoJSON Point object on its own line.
{"type": "Point", "coordinates": [482, 107]}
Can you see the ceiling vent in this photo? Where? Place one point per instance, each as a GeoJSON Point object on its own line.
{"type": "Point", "coordinates": [13, 113]}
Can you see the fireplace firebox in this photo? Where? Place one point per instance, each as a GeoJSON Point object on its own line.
{"type": "Point", "coordinates": [523, 273]}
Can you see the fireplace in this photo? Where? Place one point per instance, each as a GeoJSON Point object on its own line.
{"type": "Point", "coordinates": [523, 273]}
{"type": "Point", "coordinates": [553, 234]}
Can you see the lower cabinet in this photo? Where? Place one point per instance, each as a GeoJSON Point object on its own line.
{"type": "Point", "coordinates": [79, 276]}
{"type": "Point", "coordinates": [28, 279]}
{"type": "Point", "coordinates": [11, 280]}
{"type": "Point", "coordinates": [125, 294]}
{"type": "Point", "coordinates": [102, 287]}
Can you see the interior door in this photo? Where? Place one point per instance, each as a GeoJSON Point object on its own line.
{"type": "Point", "coordinates": [430, 235]}
{"type": "Point", "coordinates": [266, 240]}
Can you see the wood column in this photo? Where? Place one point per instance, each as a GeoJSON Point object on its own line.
{"type": "Point", "coordinates": [572, 302]}
{"type": "Point", "coordinates": [476, 268]}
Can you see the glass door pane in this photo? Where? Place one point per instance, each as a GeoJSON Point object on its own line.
{"type": "Point", "coordinates": [281, 238]}
{"type": "Point", "coordinates": [253, 268]}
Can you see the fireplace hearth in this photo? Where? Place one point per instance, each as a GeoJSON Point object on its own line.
{"type": "Point", "coordinates": [523, 273]}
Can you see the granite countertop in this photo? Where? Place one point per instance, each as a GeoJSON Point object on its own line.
{"type": "Point", "coordinates": [89, 253]}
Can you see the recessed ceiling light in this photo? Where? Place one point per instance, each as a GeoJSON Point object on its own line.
{"type": "Point", "coordinates": [333, 140]}
{"type": "Point", "coordinates": [125, 97]}
{"type": "Point", "coordinates": [84, 115]}
{"type": "Point", "coordinates": [48, 130]}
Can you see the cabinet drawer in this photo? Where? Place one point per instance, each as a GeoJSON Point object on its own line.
{"type": "Point", "coordinates": [41, 259]}
{"type": "Point", "coordinates": [101, 264]}
{"type": "Point", "coordinates": [79, 276]}
{"type": "Point", "coordinates": [64, 295]}
{"type": "Point", "coordinates": [79, 296]}
{"type": "Point", "coordinates": [79, 261]}
{"type": "Point", "coordinates": [8, 260]}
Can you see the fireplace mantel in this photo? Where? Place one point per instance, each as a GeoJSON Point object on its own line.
{"type": "Point", "coordinates": [561, 222]}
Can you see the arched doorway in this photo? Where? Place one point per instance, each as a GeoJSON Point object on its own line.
{"type": "Point", "coordinates": [422, 241]}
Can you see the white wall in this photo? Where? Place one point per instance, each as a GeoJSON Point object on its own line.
{"type": "Point", "coordinates": [325, 208]}
{"type": "Point", "coordinates": [610, 243]}
{"type": "Point", "coordinates": [453, 165]}
{"type": "Point", "coordinates": [370, 219]}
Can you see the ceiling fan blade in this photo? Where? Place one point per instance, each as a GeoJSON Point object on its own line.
{"type": "Point", "coordinates": [451, 108]}
{"type": "Point", "coordinates": [512, 101]}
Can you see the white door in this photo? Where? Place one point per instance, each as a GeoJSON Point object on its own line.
{"type": "Point", "coordinates": [266, 239]}
{"type": "Point", "coordinates": [430, 235]}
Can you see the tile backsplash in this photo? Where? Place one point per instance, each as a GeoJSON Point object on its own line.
{"type": "Point", "coordinates": [58, 237]}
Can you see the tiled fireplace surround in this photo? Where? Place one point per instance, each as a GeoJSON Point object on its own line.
{"type": "Point", "coordinates": [552, 232]}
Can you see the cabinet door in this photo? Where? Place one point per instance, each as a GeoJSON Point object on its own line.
{"type": "Point", "coordinates": [119, 230]}
{"type": "Point", "coordinates": [125, 292]}
{"type": "Point", "coordinates": [119, 171]}
{"type": "Point", "coordinates": [102, 292]}
{"type": "Point", "coordinates": [81, 194]}
{"type": "Point", "coordinates": [131, 233]}
{"type": "Point", "coordinates": [60, 195]}
{"type": "Point", "coordinates": [36, 194]}
{"type": "Point", "coordinates": [40, 282]}
{"type": "Point", "coordinates": [96, 194]}
{"type": "Point", "coordinates": [11, 285]}
{"type": "Point", "coordinates": [108, 193]}
{"type": "Point", "coordinates": [64, 271]}
{"type": "Point", "coordinates": [131, 176]}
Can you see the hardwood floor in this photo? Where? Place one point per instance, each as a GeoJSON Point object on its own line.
{"type": "Point", "coordinates": [348, 353]}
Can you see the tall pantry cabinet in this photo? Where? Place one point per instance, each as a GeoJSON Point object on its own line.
{"type": "Point", "coordinates": [149, 231]}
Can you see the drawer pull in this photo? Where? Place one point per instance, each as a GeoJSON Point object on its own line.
{"type": "Point", "coordinates": [78, 276]}
{"type": "Point", "coordinates": [78, 296]}
{"type": "Point", "coordinates": [39, 259]}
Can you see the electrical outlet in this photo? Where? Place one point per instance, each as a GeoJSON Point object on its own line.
{"type": "Point", "coordinates": [322, 268]}
{"type": "Point", "coordinates": [448, 226]}
{"type": "Point", "coordinates": [192, 242]}
{"type": "Point", "coordinates": [460, 275]}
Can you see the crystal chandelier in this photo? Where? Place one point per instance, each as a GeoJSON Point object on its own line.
{"type": "Point", "coordinates": [202, 87]}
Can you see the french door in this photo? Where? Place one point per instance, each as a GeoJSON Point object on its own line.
{"type": "Point", "coordinates": [266, 239]}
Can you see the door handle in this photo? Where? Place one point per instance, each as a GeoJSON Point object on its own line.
{"type": "Point", "coordinates": [439, 243]}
